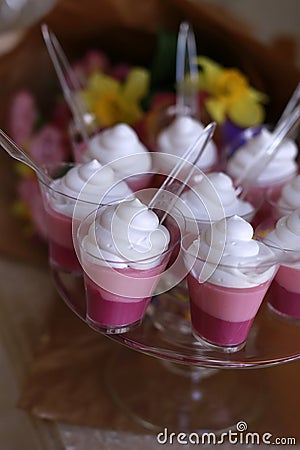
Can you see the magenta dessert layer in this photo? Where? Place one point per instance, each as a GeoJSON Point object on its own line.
{"type": "Point", "coordinates": [115, 311]}
{"type": "Point", "coordinates": [61, 247]}
{"type": "Point", "coordinates": [63, 257]}
{"type": "Point", "coordinates": [284, 301]}
{"type": "Point", "coordinates": [218, 331]}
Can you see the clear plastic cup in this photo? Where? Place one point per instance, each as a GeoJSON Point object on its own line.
{"type": "Point", "coordinates": [222, 315]}
{"type": "Point", "coordinates": [61, 220]}
{"type": "Point", "coordinates": [284, 293]}
{"type": "Point", "coordinates": [118, 293]}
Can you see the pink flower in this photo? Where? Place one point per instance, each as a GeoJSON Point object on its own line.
{"type": "Point", "coordinates": [95, 60]}
{"type": "Point", "coordinates": [48, 146]}
{"type": "Point", "coordinates": [22, 117]}
{"type": "Point", "coordinates": [92, 61]}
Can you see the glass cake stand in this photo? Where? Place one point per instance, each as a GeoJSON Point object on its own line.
{"type": "Point", "coordinates": [187, 386]}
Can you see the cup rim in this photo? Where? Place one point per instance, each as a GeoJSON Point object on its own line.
{"type": "Point", "coordinates": [68, 166]}
{"type": "Point", "coordinates": [272, 223]}
{"type": "Point", "coordinates": [268, 258]}
{"type": "Point", "coordinates": [113, 263]}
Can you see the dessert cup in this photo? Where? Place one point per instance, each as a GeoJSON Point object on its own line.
{"type": "Point", "coordinates": [120, 147]}
{"type": "Point", "coordinates": [222, 313]}
{"type": "Point", "coordinates": [277, 173]}
{"type": "Point", "coordinates": [284, 298]}
{"type": "Point", "coordinates": [213, 198]}
{"type": "Point", "coordinates": [64, 214]}
{"type": "Point", "coordinates": [286, 201]}
{"type": "Point", "coordinates": [135, 182]}
{"type": "Point", "coordinates": [171, 135]}
{"type": "Point", "coordinates": [118, 291]}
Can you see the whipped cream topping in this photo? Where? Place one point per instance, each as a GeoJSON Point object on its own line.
{"type": "Point", "coordinates": [121, 148]}
{"type": "Point", "coordinates": [281, 167]}
{"type": "Point", "coordinates": [290, 195]}
{"type": "Point", "coordinates": [286, 234]}
{"type": "Point", "coordinates": [86, 186]}
{"type": "Point", "coordinates": [227, 255]}
{"type": "Point", "coordinates": [127, 235]}
{"type": "Point", "coordinates": [179, 136]}
{"type": "Point", "coordinates": [215, 197]}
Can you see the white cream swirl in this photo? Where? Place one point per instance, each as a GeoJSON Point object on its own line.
{"type": "Point", "coordinates": [290, 195]}
{"type": "Point", "coordinates": [227, 255]}
{"type": "Point", "coordinates": [215, 197]}
{"type": "Point", "coordinates": [86, 185]}
{"type": "Point", "coordinates": [178, 137]}
{"type": "Point", "coordinates": [282, 166]}
{"type": "Point", "coordinates": [127, 235]}
{"type": "Point", "coordinates": [286, 234]}
{"type": "Point", "coordinates": [120, 147]}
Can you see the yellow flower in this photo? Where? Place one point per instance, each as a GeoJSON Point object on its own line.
{"type": "Point", "coordinates": [230, 95]}
{"type": "Point", "coordinates": [112, 101]}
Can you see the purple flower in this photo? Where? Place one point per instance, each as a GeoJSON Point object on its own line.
{"type": "Point", "coordinates": [48, 146]}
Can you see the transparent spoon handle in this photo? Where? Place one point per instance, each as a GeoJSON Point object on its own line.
{"type": "Point", "coordinates": [263, 158]}
{"type": "Point", "coordinates": [186, 89]}
{"type": "Point", "coordinates": [63, 67]}
{"type": "Point", "coordinates": [17, 153]}
{"type": "Point", "coordinates": [292, 103]}
{"type": "Point", "coordinates": [171, 183]}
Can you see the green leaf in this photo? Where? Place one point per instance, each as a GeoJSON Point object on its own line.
{"type": "Point", "coordinates": [163, 73]}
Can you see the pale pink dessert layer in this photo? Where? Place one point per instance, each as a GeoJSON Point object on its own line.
{"type": "Point", "coordinates": [289, 278]}
{"type": "Point", "coordinates": [125, 284]}
{"type": "Point", "coordinates": [217, 311]}
{"type": "Point", "coordinates": [123, 294]}
{"type": "Point", "coordinates": [232, 304]}
{"type": "Point", "coordinates": [60, 227]}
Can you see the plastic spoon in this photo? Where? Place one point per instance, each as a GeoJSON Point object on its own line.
{"type": "Point", "coordinates": [263, 158]}
{"type": "Point", "coordinates": [186, 90]}
{"type": "Point", "coordinates": [17, 153]}
{"type": "Point", "coordinates": [292, 103]}
{"type": "Point", "coordinates": [62, 66]}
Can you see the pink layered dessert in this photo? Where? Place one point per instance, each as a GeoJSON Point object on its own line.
{"type": "Point", "coordinates": [285, 290]}
{"type": "Point", "coordinates": [106, 310]}
{"type": "Point", "coordinates": [229, 276]}
{"type": "Point", "coordinates": [223, 316]}
{"type": "Point", "coordinates": [285, 298]}
{"type": "Point", "coordinates": [120, 147]}
{"type": "Point", "coordinates": [70, 198]}
{"type": "Point", "coordinates": [286, 200]}
{"type": "Point", "coordinates": [173, 140]}
{"type": "Point", "coordinates": [280, 170]}
{"type": "Point", "coordinates": [124, 250]}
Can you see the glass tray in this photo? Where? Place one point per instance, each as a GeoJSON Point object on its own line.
{"type": "Point", "coordinates": [272, 339]}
